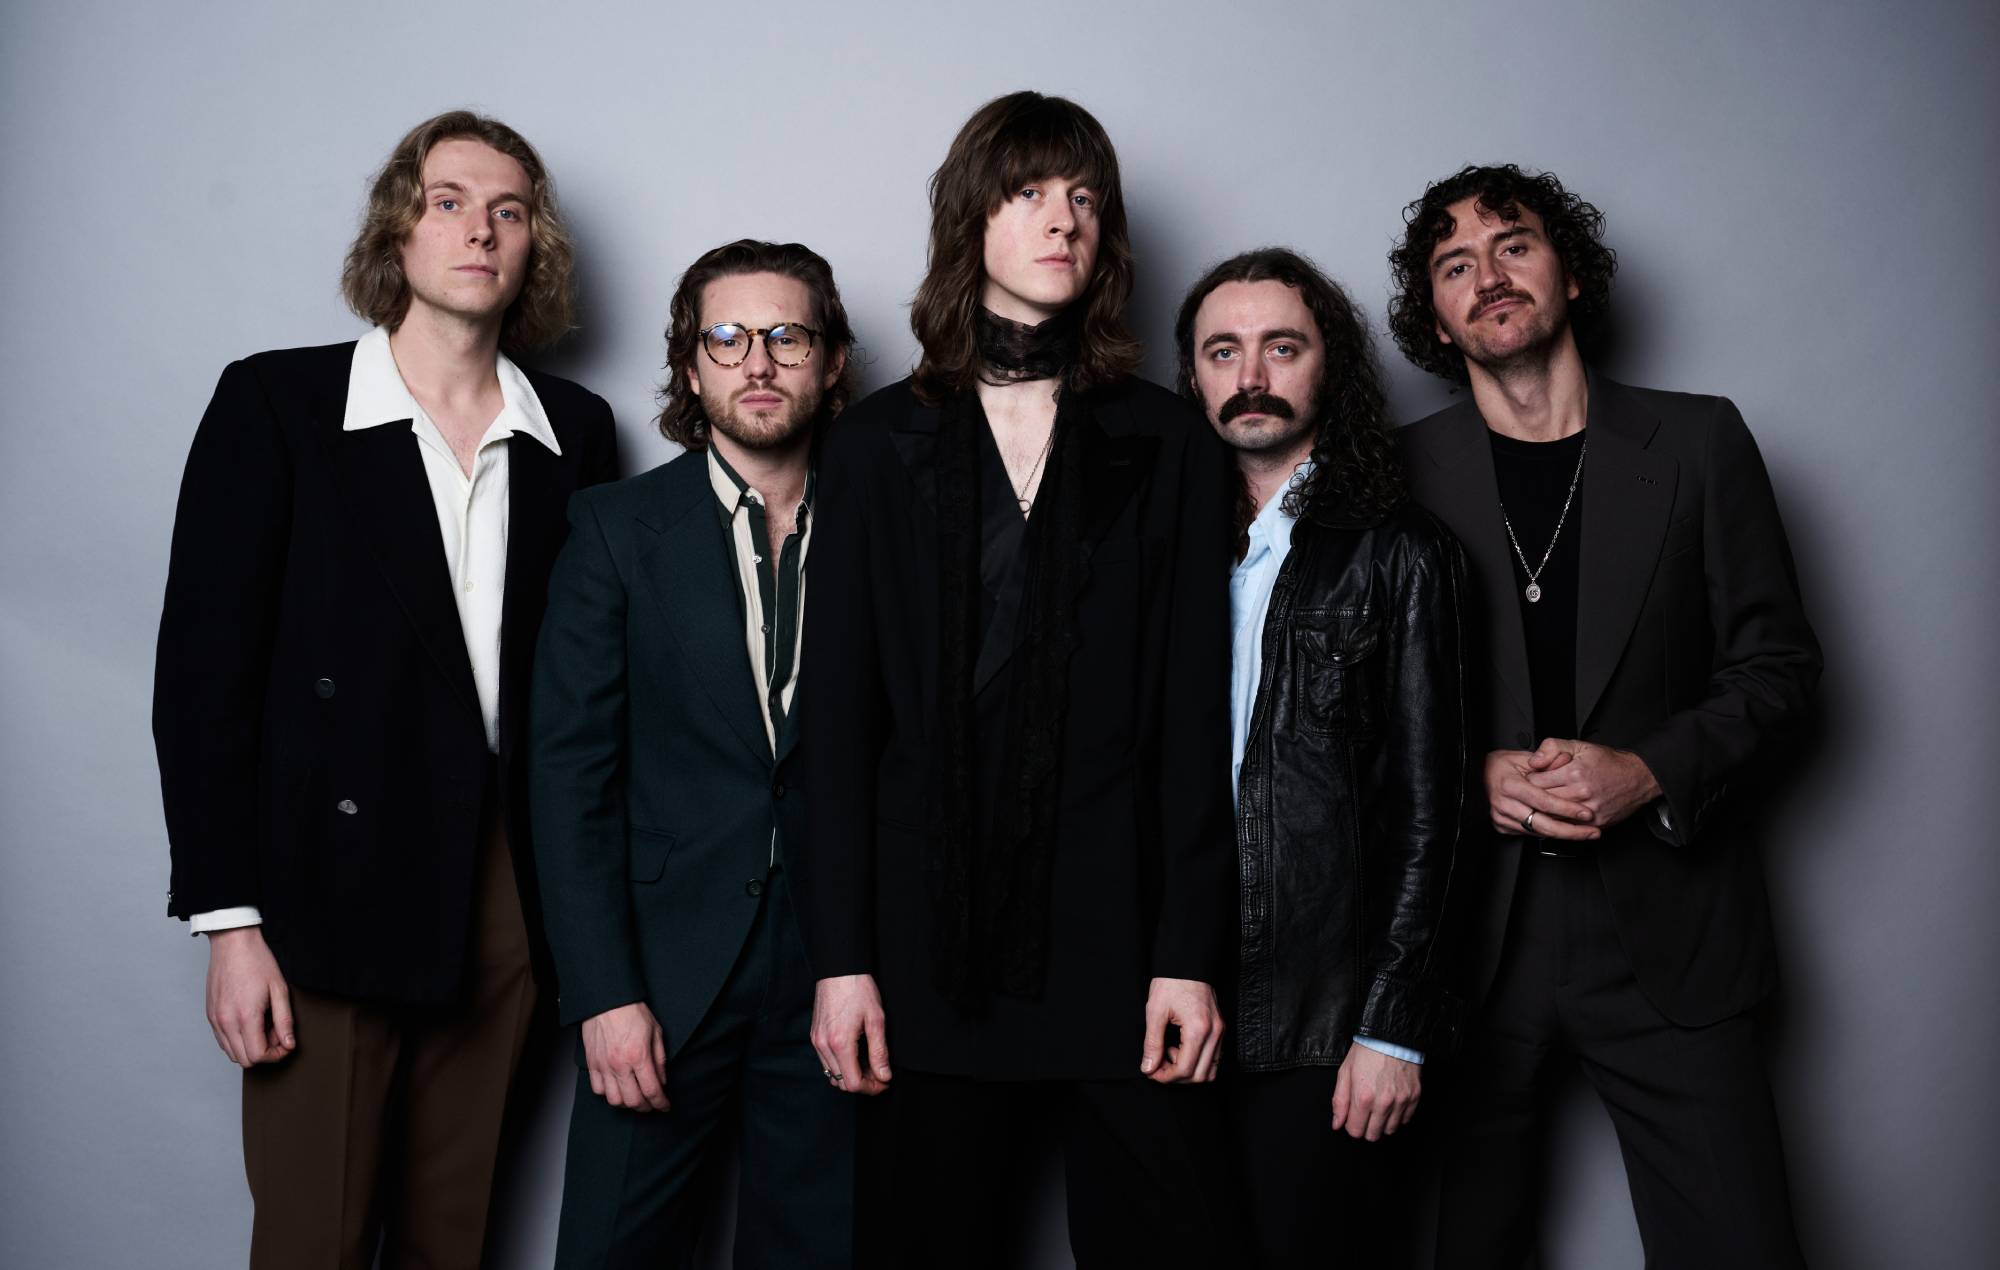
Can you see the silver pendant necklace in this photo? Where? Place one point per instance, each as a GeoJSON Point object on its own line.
{"type": "Point", "coordinates": [1534, 588]}
{"type": "Point", "coordinates": [1021, 491]}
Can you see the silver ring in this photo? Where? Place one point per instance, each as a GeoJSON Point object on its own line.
{"type": "Point", "coordinates": [1528, 822]}
{"type": "Point", "coordinates": [824, 1072]}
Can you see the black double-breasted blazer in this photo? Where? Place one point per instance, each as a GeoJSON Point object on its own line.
{"type": "Point", "coordinates": [1144, 876]}
{"type": "Point", "coordinates": [1692, 650]}
{"type": "Point", "coordinates": [322, 752]}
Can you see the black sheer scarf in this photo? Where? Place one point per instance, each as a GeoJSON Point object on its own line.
{"type": "Point", "coordinates": [1010, 351]}
{"type": "Point", "coordinates": [991, 882]}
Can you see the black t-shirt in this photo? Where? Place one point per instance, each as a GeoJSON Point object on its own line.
{"type": "Point", "coordinates": [1534, 479]}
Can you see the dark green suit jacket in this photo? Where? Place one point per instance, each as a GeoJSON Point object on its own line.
{"type": "Point", "coordinates": [656, 797]}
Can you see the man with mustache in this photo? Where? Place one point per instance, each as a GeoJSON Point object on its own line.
{"type": "Point", "coordinates": [1348, 732]}
{"type": "Point", "coordinates": [666, 724]}
{"type": "Point", "coordinates": [1644, 644]}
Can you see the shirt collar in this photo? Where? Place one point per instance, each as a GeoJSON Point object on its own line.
{"type": "Point", "coordinates": [732, 491]}
{"type": "Point", "coordinates": [377, 395]}
{"type": "Point", "coordinates": [1272, 518]}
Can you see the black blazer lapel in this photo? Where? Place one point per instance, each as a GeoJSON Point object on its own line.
{"type": "Point", "coordinates": [1467, 495]}
{"type": "Point", "coordinates": [915, 439]}
{"type": "Point", "coordinates": [536, 494]}
{"type": "Point", "coordinates": [1628, 494]}
{"type": "Point", "coordinates": [687, 571]}
{"type": "Point", "coordinates": [381, 477]}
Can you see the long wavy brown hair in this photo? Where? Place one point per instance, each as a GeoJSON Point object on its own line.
{"type": "Point", "coordinates": [1011, 142]}
{"type": "Point", "coordinates": [372, 280]}
{"type": "Point", "coordinates": [681, 418]}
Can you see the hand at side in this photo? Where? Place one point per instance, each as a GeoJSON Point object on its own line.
{"type": "Point", "coordinates": [249, 1006]}
{"type": "Point", "coordinates": [1375, 1094]}
{"type": "Point", "coordinates": [626, 1054]}
{"type": "Point", "coordinates": [1189, 1005]}
{"type": "Point", "coordinates": [847, 1010]}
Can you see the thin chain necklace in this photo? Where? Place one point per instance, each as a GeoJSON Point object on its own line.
{"type": "Point", "coordinates": [1534, 588]}
{"type": "Point", "coordinates": [1020, 491]}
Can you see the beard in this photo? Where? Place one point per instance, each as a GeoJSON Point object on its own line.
{"type": "Point", "coordinates": [763, 429]}
{"type": "Point", "coordinates": [1513, 340]}
{"type": "Point", "coordinates": [1281, 427]}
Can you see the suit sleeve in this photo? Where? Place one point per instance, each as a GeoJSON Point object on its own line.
{"type": "Point", "coordinates": [576, 776]}
{"type": "Point", "coordinates": [1766, 659]}
{"type": "Point", "coordinates": [1195, 937]}
{"type": "Point", "coordinates": [841, 710]}
{"type": "Point", "coordinates": [225, 578]}
{"type": "Point", "coordinates": [1414, 899]}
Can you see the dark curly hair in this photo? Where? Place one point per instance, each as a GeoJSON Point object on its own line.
{"type": "Point", "coordinates": [1009, 142]}
{"type": "Point", "coordinates": [681, 419]}
{"type": "Point", "coordinates": [1574, 229]}
{"type": "Point", "coordinates": [1356, 471]}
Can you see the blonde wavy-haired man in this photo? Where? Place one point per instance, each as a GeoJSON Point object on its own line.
{"type": "Point", "coordinates": [359, 562]}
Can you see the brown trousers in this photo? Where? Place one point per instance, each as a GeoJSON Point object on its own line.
{"type": "Point", "coordinates": [386, 1123]}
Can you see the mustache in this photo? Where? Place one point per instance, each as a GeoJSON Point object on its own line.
{"type": "Point", "coordinates": [1492, 298]}
{"type": "Point", "coordinates": [1249, 401]}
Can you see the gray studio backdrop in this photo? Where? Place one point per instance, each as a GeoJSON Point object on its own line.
{"type": "Point", "coordinates": [1800, 193]}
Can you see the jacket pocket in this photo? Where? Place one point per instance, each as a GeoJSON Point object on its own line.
{"type": "Point", "coordinates": [1337, 671]}
{"type": "Point", "coordinates": [648, 850]}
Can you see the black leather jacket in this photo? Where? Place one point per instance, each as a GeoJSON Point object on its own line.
{"type": "Point", "coordinates": [1356, 791]}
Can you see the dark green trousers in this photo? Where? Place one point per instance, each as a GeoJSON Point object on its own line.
{"type": "Point", "coordinates": [640, 1187]}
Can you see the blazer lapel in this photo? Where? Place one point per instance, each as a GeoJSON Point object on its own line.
{"type": "Point", "coordinates": [535, 499]}
{"type": "Point", "coordinates": [1467, 496]}
{"type": "Point", "coordinates": [687, 570]}
{"type": "Point", "coordinates": [1628, 493]}
{"type": "Point", "coordinates": [381, 477]}
{"type": "Point", "coordinates": [915, 439]}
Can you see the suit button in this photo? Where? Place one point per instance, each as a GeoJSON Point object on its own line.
{"type": "Point", "coordinates": [323, 688]}
{"type": "Point", "coordinates": [777, 789]}
{"type": "Point", "coordinates": [753, 888]}
{"type": "Point", "coordinates": [346, 806]}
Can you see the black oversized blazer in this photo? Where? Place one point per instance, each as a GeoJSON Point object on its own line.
{"type": "Point", "coordinates": [322, 754]}
{"type": "Point", "coordinates": [1692, 650]}
{"type": "Point", "coordinates": [1144, 877]}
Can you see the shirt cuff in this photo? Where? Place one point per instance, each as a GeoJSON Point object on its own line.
{"type": "Point", "coordinates": [224, 919]}
{"type": "Point", "coordinates": [1403, 1052]}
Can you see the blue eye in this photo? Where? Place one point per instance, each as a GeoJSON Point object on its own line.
{"type": "Point", "coordinates": [448, 204]}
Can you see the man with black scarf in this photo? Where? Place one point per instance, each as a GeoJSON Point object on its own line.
{"type": "Point", "coordinates": [1018, 871]}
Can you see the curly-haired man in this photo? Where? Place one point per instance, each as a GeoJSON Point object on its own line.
{"type": "Point", "coordinates": [1644, 643]}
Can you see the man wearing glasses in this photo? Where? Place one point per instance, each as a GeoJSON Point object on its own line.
{"type": "Point", "coordinates": [665, 729]}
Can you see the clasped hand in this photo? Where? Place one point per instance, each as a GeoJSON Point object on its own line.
{"type": "Point", "coordinates": [1574, 789]}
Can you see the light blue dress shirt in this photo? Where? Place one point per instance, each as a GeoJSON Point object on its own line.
{"type": "Point", "coordinates": [1250, 585]}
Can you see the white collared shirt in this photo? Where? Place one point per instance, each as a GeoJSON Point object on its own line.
{"type": "Point", "coordinates": [471, 513]}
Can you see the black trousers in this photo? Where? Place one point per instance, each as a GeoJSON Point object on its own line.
{"type": "Point", "coordinates": [1311, 1197]}
{"type": "Point", "coordinates": [639, 1185]}
{"type": "Point", "coordinates": [948, 1162]}
{"type": "Point", "coordinates": [1691, 1106]}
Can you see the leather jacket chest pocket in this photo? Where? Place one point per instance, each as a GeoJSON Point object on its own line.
{"type": "Point", "coordinates": [1338, 671]}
